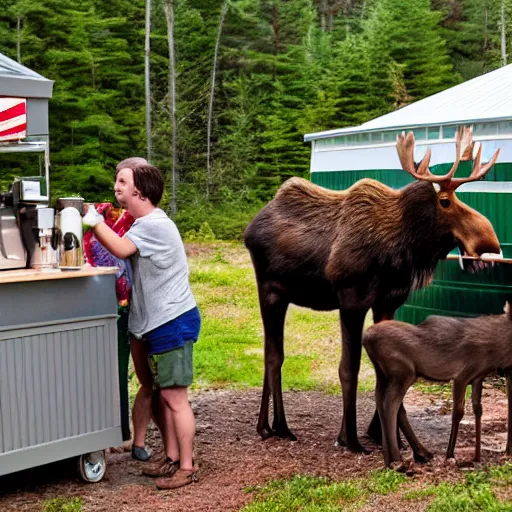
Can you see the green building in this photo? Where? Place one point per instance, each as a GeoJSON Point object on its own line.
{"type": "Point", "coordinates": [341, 157]}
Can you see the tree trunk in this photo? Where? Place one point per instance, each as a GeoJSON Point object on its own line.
{"type": "Point", "coordinates": [18, 39]}
{"type": "Point", "coordinates": [93, 72]}
{"type": "Point", "coordinates": [275, 28]}
{"type": "Point", "coordinates": [169, 15]}
{"type": "Point", "coordinates": [486, 26]}
{"type": "Point", "coordinates": [503, 35]}
{"type": "Point", "coordinates": [147, 81]}
{"type": "Point", "coordinates": [223, 13]}
{"type": "Point", "coordinates": [322, 9]}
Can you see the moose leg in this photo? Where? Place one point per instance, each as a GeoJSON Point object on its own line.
{"type": "Point", "coordinates": [351, 331]}
{"type": "Point", "coordinates": [263, 427]}
{"type": "Point", "coordinates": [421, 454]}
{"type": "Point", "coordinates": [476, 402]}
{"type": "Point", "coordinates": [509, 405]}
{"type": "Point", "coordinates": [273, 311]}
{"type": "Point", "coordinates": [389, 401]}
{"type": "Point", "coordinates": [458, 396]}
{"type": "Point", "coordinates": [380, 393]}
{"type": "Point", "coordinates": [374, 429]}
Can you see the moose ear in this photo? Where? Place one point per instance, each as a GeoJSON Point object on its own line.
{"type": "Point", "coordinates": [506, 308]}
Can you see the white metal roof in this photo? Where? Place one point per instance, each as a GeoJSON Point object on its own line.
{"type": "Point", "coordinates": [19, 81]}
{"type": "Point", "coordinates": [484, 98]}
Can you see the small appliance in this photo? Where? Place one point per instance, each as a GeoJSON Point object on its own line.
{"type": "Point", "coordinates": [44, 255]}
{"type": "Point", "coordinates": [12, 251]}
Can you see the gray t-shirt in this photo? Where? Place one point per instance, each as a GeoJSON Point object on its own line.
{"type": "Point", "coordinates": [160, 288]}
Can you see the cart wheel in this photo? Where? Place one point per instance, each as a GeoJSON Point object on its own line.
{"type": "Point", "coordinates": [92, 466]}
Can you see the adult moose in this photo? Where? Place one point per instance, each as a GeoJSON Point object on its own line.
{"type": "Point", "coordinates": [352, 250]}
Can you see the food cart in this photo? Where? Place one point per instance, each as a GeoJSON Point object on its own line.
{"type": "Point", "coordinates": [59, 393]}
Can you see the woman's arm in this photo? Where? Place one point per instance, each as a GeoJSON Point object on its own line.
{"type": "Point", "coordinates": [119, 247]}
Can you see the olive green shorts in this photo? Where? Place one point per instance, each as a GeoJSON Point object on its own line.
{"type": "Point", "coordinates": [174, 368]}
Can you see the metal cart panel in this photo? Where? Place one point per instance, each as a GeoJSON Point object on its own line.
{"type": "Point", "coordinates": [59, 393]}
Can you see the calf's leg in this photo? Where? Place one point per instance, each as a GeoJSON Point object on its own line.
{"type": "Point", "coordinates": [476, 402]}
{"type": "Point", "coordinates": [421, 454]}
{"type": "Point", "coordinates": [458, 396]}
{"type": "Point", "coordinates": [389, 401]}
{"type": "Point", "coordinates": [509, 405]}
{"type": "Point", "coordinates": [374, 429]}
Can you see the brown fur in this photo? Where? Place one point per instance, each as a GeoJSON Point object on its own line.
{"type": "Point", "coordinates": [440, 349]}
{"type": "Point", "coordinates": [364, 247]}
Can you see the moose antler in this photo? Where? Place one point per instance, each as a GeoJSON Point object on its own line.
{"type": "Point", "coordinates": [463, 147]}
{"type": "Point", "coordinates": [405, 148]}
{"type": "Point", "coordinates": [479, 171]}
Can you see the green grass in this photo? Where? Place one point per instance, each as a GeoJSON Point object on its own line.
{"type": "Point", "coordinates": [305, 493]}
{"type": "Point", "coordinates": [229, 352]}
{"type": "Point", "coordinates": [63, 505]}
{"type": "Point", "coordinates": [479, 492]}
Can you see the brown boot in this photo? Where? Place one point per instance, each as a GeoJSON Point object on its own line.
{"type": "Point", "coordinates": [165, 468]}
{"type": "Point", "coordinates": [179, 479]}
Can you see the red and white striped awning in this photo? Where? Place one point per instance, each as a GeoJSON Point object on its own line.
{"type": "Point", "coordinates": [13, 118]}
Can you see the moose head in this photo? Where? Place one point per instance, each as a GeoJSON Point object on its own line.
{"type": "Point", "coordinates": [473, 233]}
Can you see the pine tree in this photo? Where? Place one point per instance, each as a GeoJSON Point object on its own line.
{"type": "Point", "coordinates": [408, 38]}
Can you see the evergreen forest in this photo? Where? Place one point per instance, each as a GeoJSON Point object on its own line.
{"type": "Point", "coordinates": [219, 93]}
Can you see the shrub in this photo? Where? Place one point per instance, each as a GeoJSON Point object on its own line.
{"type": "Point", "coordinates": [225, 221]}
{"type": "Point", "coordinates": [203, 234]}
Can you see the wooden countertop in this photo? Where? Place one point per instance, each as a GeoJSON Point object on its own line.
{"type": "Point", "coordinates": [24, 275]}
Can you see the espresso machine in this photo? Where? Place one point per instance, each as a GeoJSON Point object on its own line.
{"type": "Point", "coordinates": [27, 226]}
{"type": "Point", "coordinates": [12, 250]}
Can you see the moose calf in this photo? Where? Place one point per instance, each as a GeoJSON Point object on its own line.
{"type": "Point", "coordinates": [439, 349]}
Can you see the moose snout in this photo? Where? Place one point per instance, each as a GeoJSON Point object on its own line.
{"type": "Point", "coordinates": [489, 248]}
{"type": "Point", "coordinates": [476, 236]}
{"type": "Point", "coordinates": [487, 242]}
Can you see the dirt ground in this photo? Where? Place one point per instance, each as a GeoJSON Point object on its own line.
{"type": "Point", "coordinates": [232, 457]}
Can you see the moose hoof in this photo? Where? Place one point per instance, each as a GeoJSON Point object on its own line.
{"type": "Point", "coordinates": [355, 447]}
{"type": "Point", "coordinates": [399, 466]}
{"type": "Point", "coordinates": [286, 434]}
{"type": "Point", "coordinates": [423, 456]}
{"type": "Point", "coordinates": [375, 434]}
{"type": "Point", "coordinates": [265, 433]}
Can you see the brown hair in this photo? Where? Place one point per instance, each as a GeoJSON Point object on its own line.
{"type": "Point", "coordinates": [147, 178]}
